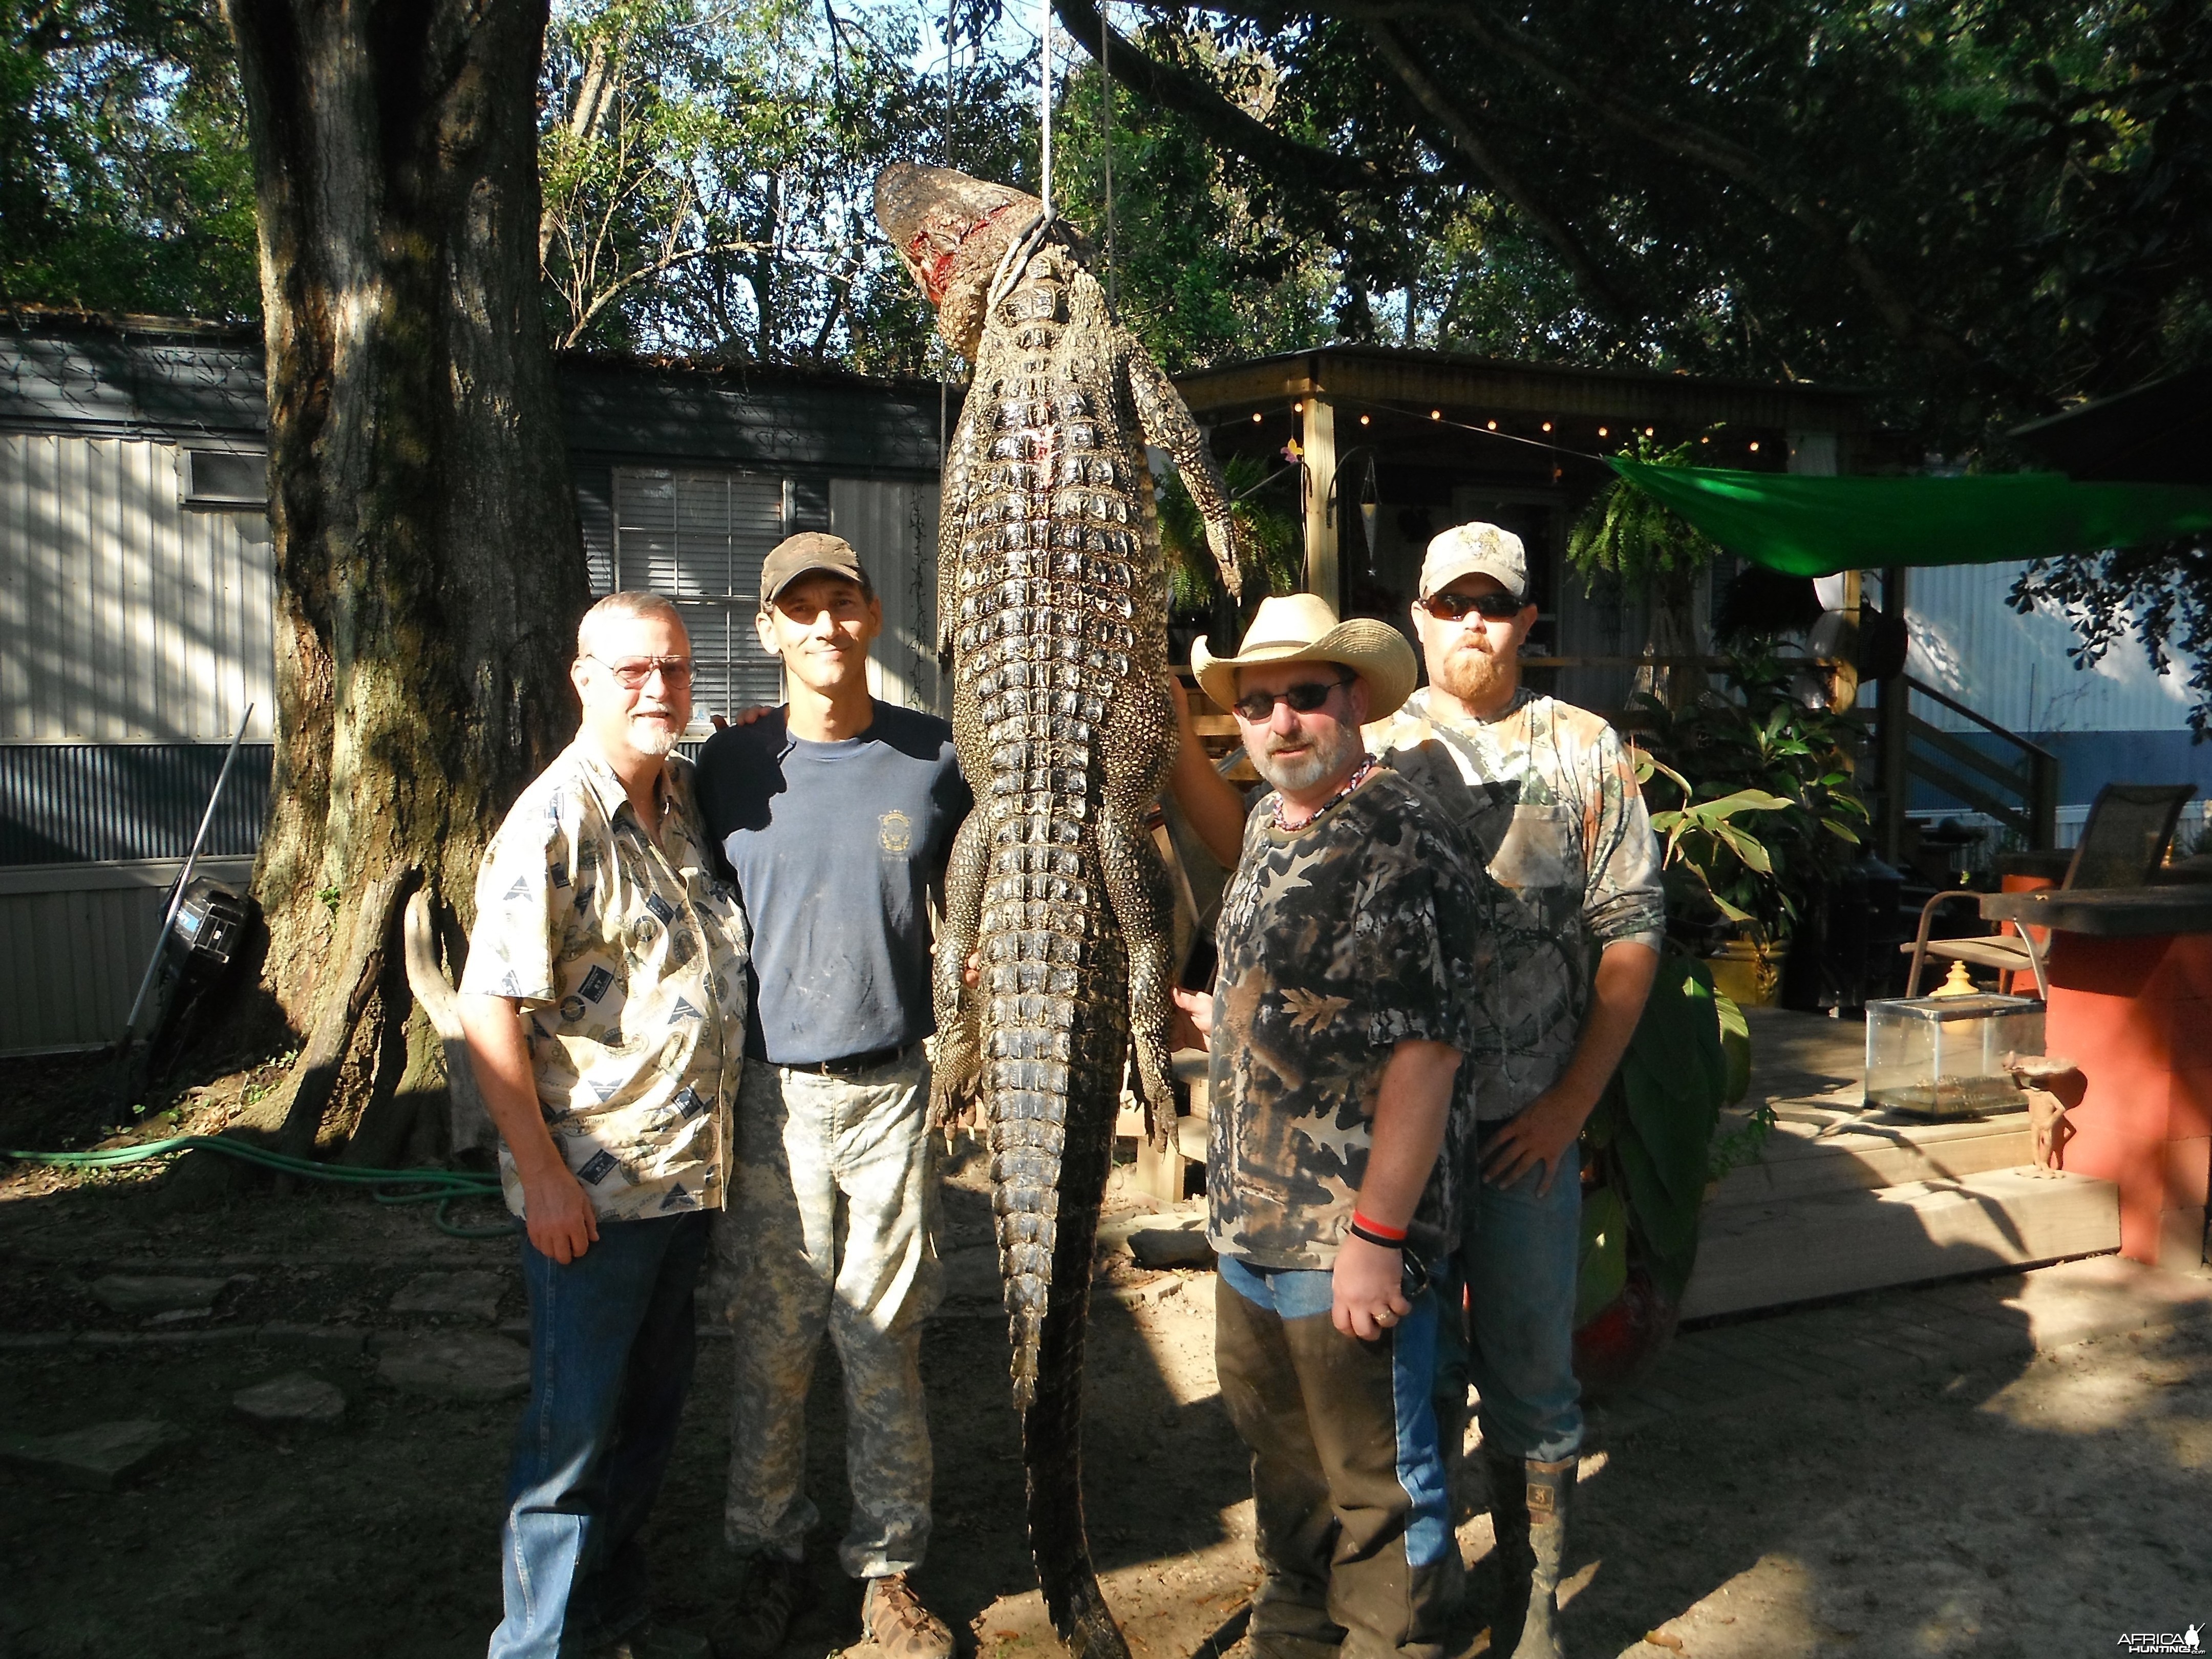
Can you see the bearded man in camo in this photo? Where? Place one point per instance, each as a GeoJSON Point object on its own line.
{"type": "Point", "coordinates": [1336, 1029]}
{"type": "Point", "coordinates": [604, 1003]}
{"type": "Point", "coordinates": [1547, 797]}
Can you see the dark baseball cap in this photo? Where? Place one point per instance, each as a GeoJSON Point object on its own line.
{"type": "Point", "coordinates": [809, 549]}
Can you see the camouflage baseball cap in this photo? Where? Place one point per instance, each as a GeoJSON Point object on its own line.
{"type": "Point", "coordinates": [1467, 549]}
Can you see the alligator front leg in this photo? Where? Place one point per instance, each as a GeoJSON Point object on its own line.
{"type": "Point", "coordinates": [1144, 909]}
{"type": "Point", "coordinates": [1165, 421]}
{"type": "Point", "coordinates": [956, 1071]}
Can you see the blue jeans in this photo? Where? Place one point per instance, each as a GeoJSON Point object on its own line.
{"type": "Point", "coordinates": [611, 1343]}
{"type": "Point", "coordinates": [1520, 1255]}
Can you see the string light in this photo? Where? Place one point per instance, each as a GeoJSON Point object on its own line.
{"type": "Point", "coordinates": [1493, 426]}
{"type": "Point", "coordinates": [1647, 431]}
{"type": "Point", "coordinates": [1300, 407]}
{"type": "Point", "coordinates": [1601, 432]}
{"type": "Point", "coordinates": [1364, 419]}
{"type": "Point", "coordinates": [1436, 414]}
{"type": "Point", "coordinates": [1256, 417]}
{"type": "Point", "coordinates": [1754, 445]}
{"type": "Point", "coordinates": [1548, 425]}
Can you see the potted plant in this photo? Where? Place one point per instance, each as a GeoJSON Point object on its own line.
{"type": "Point", "coordinates": [1753, 793]}
{"type": "Point", "coordinates": [1632, 538]}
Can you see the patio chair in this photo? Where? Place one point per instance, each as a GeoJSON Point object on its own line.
{"type": "Point", "coordinates": [2123, 840]}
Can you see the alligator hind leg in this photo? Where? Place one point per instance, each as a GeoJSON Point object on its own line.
{"type": "Point", "coordinates": [957, 1070]}
{"type": "Point", "coordinates": [1144, 906]}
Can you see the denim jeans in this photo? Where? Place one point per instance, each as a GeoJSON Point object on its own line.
{"type": "Point", "coordinates": [612, 1344]}
{"type": "Point", "coordinates": [1352, 1526]}
{"type": "Point", "coordinates": [1521, 1254]}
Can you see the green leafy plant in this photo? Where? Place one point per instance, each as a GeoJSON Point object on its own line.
{"type": "Point", "coordinates": [1648, 1142]}
{"type": "Point", "coordinates": [1755, 794]}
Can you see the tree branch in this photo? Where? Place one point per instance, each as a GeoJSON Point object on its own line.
{"type": "Point", "coordinates": [1172, 86]}
{"type": "Point", "coordinates": [1587, 276]}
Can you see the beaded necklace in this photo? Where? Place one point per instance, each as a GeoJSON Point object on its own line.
{"type": "Point", "coordinates": [1358, 777]}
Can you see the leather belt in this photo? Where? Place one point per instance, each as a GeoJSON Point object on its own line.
{"type": "Point", "coordinates": [847, 1065]}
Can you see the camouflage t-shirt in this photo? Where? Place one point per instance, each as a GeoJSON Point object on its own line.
{"type": "Point", "coordinates": [1547, 796]}
{"type": "Point", "coordinates": [629, 959]}
{"type": "Point", "coordinates": [1333, 953]}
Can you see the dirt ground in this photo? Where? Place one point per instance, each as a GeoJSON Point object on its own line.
{"type": "Point", "coordinates": [2030, 1507]}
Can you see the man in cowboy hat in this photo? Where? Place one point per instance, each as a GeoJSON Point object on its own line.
{"type": "Point", "coordinates": [1547, 800]}
{"type": "Point", "coordinates": [1336, 1032]}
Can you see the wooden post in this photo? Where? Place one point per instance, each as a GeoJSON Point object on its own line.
{"type": "Point", "coordinates": [1324, 574]}
{"type": "Point", "coordinates": [1895, 705]}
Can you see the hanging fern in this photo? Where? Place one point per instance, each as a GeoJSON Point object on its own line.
{"type": "Point", "coordinates": [1625, 534]}
{"type": "Point", "coordinates": [1270, 546]}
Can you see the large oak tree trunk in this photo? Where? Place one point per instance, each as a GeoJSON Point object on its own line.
{"type": "Point", "coordinates": [429, 568]}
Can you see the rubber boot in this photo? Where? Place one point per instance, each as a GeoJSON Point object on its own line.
{"type": "Point", "coordinates": [1529, 1503]}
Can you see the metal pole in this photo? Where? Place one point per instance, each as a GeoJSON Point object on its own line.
{"type": "Point", "coordinates": [183, 876]}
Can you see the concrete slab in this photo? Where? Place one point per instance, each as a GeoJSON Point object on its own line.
{"type": "Point", "coordinates": [293, 1400]}
{"type": "Point", "coordinates": [98, 1459]}
{"type": "Point", "coordinates": [1805, 1247]}
{"type": "Point", "coordinates": [1171, 1247]}
{"type": "Point", "coordinates": [472, 1293]}
{"type": "Point", "coordinates": [457, 1365]}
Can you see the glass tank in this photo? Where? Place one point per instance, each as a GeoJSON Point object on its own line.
{"type": "Point", "coordinates": [1944, 1056]}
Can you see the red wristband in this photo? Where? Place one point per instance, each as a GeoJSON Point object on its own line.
{"type": "Point", "coordinates": [1362, 1224]}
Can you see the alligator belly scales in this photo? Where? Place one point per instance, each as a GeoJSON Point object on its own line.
{"type": "Point", "coordinates": [1052, 610]}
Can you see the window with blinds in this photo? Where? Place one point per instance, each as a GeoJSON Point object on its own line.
{"type": "Point", "coordinates": [700, 538]}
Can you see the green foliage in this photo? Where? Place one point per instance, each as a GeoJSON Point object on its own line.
{"type": "Point", "coordinates": [708, 170]}
{"type": "Point", "coordinates": [124, 184]}
{"type": "Point", "coordinates": [1707, 769]}
{"type": "Point", "coordinates": [1649, 1137]}
{"type": "Point", "coordinates": [1196, 274]}
{"type": "Point", "coordinates": [1269, 539]}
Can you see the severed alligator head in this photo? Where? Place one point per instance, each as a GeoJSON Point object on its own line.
{"type": "Point", "coordinates": [1052, 614]}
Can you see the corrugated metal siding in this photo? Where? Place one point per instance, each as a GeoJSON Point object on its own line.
{"type": "Point", "coordinates": [1967, 641]}
{"type": "Point", "coordinates": [893, 527]}
{"type": "Point", "coordinates": [73, 946]}
{"type": "Point", "coordinates": [122, 617]}
{"type": "Point", "coordinates": [77, 802]}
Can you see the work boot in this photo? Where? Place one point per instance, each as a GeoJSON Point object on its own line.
{"type": "Point", "coordinates": [772, 1591]}
{"type": "Point", "coordinates": [896, 1621]}
{"type": "Point", "coordinates": [1528, 1512]}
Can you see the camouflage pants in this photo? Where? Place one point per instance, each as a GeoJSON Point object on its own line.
{"type": "Point", "coordinates": [829, 1230]}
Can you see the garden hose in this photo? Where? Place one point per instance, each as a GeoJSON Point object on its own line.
{"type": "Point", "coordinates": [443, 1187]}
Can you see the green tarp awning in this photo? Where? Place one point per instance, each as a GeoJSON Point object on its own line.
{"type": "Point", "coordinates": [1811, 526]}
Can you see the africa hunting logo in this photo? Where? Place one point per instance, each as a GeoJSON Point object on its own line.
{"type": "Point", "coordinates": [2153, 1641]}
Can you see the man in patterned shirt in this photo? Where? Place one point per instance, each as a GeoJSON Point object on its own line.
{"type": "Point", "coordinates": [1547, 800]}
{"type": "Point", "coordinates": [1547, 795]}
{"type": "Point", "coordinates": [604, 1001]}
{"type": "Point", "coordinates": [1336, 1032]}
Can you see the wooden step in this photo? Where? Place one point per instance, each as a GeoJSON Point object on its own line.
{"type": "Point", "coordinates": [1826, 1145]}
{"type": "Point", "coordinates": [1805, 1246]}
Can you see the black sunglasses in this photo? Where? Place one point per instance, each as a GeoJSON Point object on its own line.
{"type": "Point", "coordinates": [1303, 698]}
{"type": "Point", "coordinates": [1453, 607]}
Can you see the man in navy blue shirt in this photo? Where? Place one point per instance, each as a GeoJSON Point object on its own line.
{"type": "Point", "coordinates": [837, 813]}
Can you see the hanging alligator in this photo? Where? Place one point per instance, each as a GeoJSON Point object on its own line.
{"type": "Point", "coordinates": [1052, 616]}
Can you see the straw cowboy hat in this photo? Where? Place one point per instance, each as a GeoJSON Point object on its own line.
{"type": "Point", "coordinates": [1301, 627]}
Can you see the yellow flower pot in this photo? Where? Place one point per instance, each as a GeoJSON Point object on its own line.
{"type": "Point", "coordinates": [1749, 974]}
